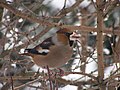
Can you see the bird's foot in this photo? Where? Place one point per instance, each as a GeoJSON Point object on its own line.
{"type": "Point", "coordinates": [54, 72]}
{"type": "Point", "coordinates": [58, 72]}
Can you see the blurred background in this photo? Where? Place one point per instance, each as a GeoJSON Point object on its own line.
{"type": "Point", "coordinates": [18, 33]}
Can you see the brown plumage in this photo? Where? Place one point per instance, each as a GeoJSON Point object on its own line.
{"type": "Point", "coordinates": [59, 50]}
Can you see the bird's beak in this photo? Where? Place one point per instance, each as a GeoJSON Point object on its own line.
{"type": "Point", "coordinates": [75, 36]}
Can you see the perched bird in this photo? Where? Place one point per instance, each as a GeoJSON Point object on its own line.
{"type": "Point", "coordinates": [54, 51]}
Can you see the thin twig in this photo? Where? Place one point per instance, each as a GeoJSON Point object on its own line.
{"type": "Point", "coordinates": [49, 77]}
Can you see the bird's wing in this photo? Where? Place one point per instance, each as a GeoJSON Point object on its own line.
{"type": "Point", "coordinates": [46, 44]}
{"type": "Point", "coordinates": [42, 48]}
{"type": "Point", "coordinates": [36, 52]}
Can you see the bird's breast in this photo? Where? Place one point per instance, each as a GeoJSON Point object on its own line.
{"type": "Point", "coordinates": [57, 57]}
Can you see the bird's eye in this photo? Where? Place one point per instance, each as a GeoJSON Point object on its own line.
{"type": "Point", "coordinates": [68, 34]}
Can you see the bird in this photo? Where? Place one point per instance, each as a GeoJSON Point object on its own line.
{"type": "Point", "coordinates": [54, 51]}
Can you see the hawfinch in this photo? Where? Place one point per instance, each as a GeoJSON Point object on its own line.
{"type": "Point", "coordinates": [54, 51]}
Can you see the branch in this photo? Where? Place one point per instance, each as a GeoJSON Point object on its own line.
{"type": "Point", "coordinates": [100, 41]}
{"type": "Point", "coordinates": [51, 24]}
{"type": "Point", "coordinates": [77, 83]}
{"type": "Point", "coordinates": [67, 10]}
{"type": "Point", "coordinates": [100, 44]}
{"type": "Point", "coordinates": [82, 73]}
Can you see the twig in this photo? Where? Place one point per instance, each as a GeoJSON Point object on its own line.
{"type": "Point", "coordinates": [49, 77]}
{"type": "Point", "coordinates": [12, 83]}
{"type": "Point", "coordinates": [18, 87]}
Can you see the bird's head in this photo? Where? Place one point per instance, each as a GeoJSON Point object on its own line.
{"type": "Point", "coordinates": [67, 36]}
